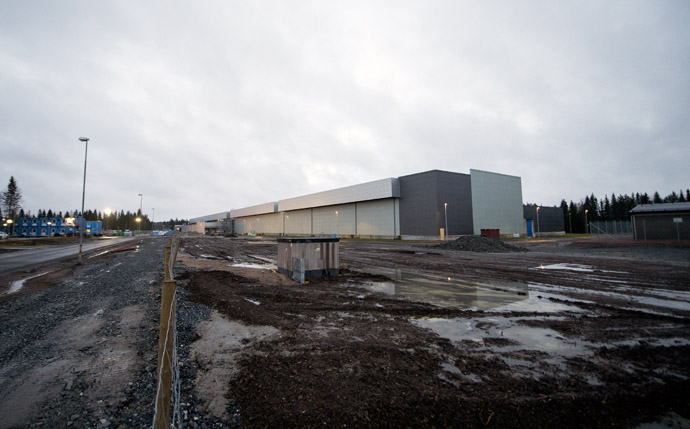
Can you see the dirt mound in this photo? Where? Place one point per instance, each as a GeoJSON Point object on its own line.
{"type": "Point", "coordinates": [478, 243]}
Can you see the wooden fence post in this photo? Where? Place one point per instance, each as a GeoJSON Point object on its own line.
{"type": "Point", "coordinates": [165, 343]}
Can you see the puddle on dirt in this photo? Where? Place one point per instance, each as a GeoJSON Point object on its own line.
{"type": "Point", "coordinates": [567, 267]}
{"type": "Point", "coordinates": [16, 286]}
{"type": "Point", "coordinates": [446, 291]}
{"type": "Point", "coordinates": [540, 302]}
{"type": "Point", "coordinates": [255, 266]}
{"type": "Point", "coordinates": [505, 335]}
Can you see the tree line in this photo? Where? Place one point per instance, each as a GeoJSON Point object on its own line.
{"type": "Point", "coordinates": [616, 208]}
{"type": "Point", "coordinates": [12, 209]}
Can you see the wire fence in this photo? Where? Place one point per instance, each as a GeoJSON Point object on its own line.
{"type": "Point", "coordinates": [611, 227]}
{"type": "Point", "coordinates": [168, 375]}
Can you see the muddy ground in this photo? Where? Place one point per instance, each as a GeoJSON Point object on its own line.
{"type": "Point", "coordinates": [573, 333]}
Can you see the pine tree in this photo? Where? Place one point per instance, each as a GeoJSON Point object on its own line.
{"type": "Point", "coordinates": [12, 199]}
{"type": "Point", "coordinates": [657, 198]}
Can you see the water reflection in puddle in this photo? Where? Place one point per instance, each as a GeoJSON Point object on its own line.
{"type": "Point", "coordinates": [505, 335]}
{"type": "Point", "coordinates": [446, 291]}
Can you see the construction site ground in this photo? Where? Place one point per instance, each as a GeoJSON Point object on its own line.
{"type": "Point", "coordinates": [573, 332]}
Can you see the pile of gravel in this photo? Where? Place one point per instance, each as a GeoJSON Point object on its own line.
{"type": "Point", "coordinates": [478, 243]}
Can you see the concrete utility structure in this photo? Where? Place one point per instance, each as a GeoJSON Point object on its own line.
{"type": "Point", "coordinates": [413, 206]}
{"type": "Point", "coordinates": [668, 221]}
{"type": "Point", "coordinates": [545, 221]}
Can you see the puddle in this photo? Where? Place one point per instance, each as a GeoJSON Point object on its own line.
{"type": "Point", "coordinates": [567, 267]}
{"type": "Point", "coordinates": [255, 266]}
{"type": "Point", "coordinates": [446, 291]}
{"type": "Point", "coordinates": [16, 286]}
{"type": "Point", "coordinates": [518, 337]}
{"type": "Point", "coordinates": [540, 302]}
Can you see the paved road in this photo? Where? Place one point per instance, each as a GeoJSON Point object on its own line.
{"type": "Point", "coordinates": [37, 255]}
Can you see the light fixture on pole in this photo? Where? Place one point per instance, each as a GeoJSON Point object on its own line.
{"type": "Point", "coordinates": [337, 217]}
{"type": "Point", "coordinates": [445, 211]}
{"type": "Point", "coordinates": [538, 220]}
{"type": "Point", "coordinates": [153, 218]}
{"type": "Point", "coordinates": [83, 194]}
{"type": "Point", "coordinates": [586, 211]}
{"type": "Point", "coordinates": [138, 224]}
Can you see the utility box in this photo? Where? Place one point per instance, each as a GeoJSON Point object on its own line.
{"type": "Point", "coordinates": [307, 258]}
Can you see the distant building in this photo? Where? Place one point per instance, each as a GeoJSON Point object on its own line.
{"type": "Point", "coordinates": [413, 206]}
{"type": "Point", "coordinates": [668, 221]}
{"type": "Point", "coordinates": [49, 227]}
{"type": "Point", "coordinates": [548, 222]}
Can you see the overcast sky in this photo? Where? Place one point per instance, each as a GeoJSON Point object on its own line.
{"type": "Point", "coordinates": [208, 106]}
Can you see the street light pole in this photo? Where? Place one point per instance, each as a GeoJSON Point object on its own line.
{"type": "Point", "coordinates": [153, 218]}
{"type": "Point", "coordinates": [538, 220]}
{"type": "Point", "coordinates": [586, 211]}
{"type": "Point", "coordinates": [83, 195]}
{"type": "Point", "coordinates": [445, 211]}
{"type": "Point", "coordinates": [337, 217]}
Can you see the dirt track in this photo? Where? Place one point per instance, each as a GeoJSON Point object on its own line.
{"type": "Point", "coordinates": [574, 334]}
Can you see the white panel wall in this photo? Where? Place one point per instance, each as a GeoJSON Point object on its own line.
{"type": "Point", "coordinates": [326, 221]}
{"type": "Point", "coordinates": [262, 224]}
{"type": "Point", "coordinates": [496, 202]}
{"type": "Point", "coordinates": [255, 210]}
{"type": "Point", "coordinates": [298, 222]}
{"type": "Point", "coordinates": [385, 188]}
{"type": "Point", "coordinates": [378, 218]}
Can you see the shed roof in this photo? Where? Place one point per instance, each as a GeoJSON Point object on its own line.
{"type": "Point", "coordinates": [659, 208]}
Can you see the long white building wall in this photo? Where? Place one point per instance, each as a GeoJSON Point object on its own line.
{"type": "Point", "coordinates": [261, 224]}
{"type": "Point", "coordinates": [380, 218]}
{"type": "Point", "coordinates": [298, 222]}
{"type": "Point", "coordinates": [327, 221]}
{"type": "Point", "coordinates": [496, 202]}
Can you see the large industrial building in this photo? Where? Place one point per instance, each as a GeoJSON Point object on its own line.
{"type": "Point", "coordinates": [414, 206]}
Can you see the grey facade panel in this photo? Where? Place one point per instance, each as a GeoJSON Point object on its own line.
{"type": "Point", "coordinates": [550, 218]}
{"type": "Point", "coordinates": [497, 202]}
{"type": "Point", "coordinates": [379, 189]}
{"type": "Point", "coordinates": [422, 203]}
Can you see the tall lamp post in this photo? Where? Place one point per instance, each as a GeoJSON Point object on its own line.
{"type": "Point", "coordinates": [337, 217]}
{"type": "Point", "coordinates": [83, 194]}
{"type": "Point", "coordinates": [445, 211]}
{"type": "Point", "coordinates": [153, 219]}
{"type": "Point", "coordinates": [586, 211]}
{"type": "Point", "coordinates": [538, 220]}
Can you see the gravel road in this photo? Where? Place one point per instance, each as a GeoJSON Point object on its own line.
{"type": "Point", "coordinates": [83, 352]}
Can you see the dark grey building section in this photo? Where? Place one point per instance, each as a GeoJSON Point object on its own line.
{"type": "Point", "coordinates": [550, 218]}
{"type": "Point", "coordinates": [669, 221]}
{"type": "Point", "coordinates": [422, 203]}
